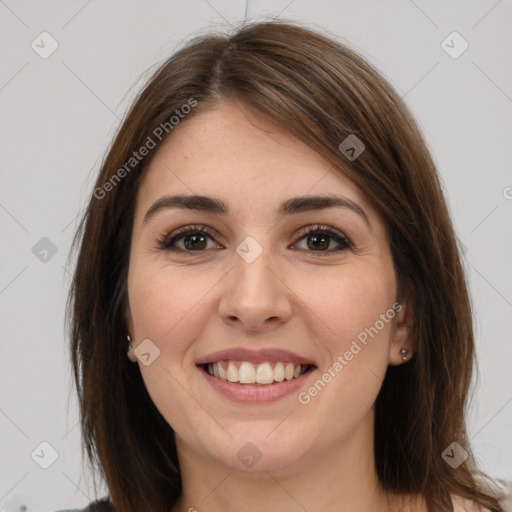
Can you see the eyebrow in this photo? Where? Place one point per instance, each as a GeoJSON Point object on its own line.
{"type": "Point", "coordinates": [290, 206]}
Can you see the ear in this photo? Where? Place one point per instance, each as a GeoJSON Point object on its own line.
{"type": "Point", "coordinates": [401, 334]}
{"type": "Point", "coordinates": [130, 332]}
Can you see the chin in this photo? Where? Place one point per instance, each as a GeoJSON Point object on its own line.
{"type": "Point", "coordinates": [258, 449]}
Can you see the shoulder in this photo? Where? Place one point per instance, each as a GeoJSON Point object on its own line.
{"type": "Point", "coordinates": [465, 505]}
{"type": "Point", "coordinates": [505, 495]}
{"type": "Point", "coordinates": [503, 492]}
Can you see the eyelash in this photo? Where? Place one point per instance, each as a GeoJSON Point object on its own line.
{"type": "Point", "coordinates": [166, 243]}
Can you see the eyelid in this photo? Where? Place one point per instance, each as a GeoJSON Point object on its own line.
{"type": "Point", "coordinates": [312, 228]}
{"type": "Point", "coordinates": [165, 242]}
{"type": "Point", "coordinates": [335, 234]}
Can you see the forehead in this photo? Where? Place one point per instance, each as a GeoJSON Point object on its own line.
{"type": "Point", "coordinates": [239, 156]}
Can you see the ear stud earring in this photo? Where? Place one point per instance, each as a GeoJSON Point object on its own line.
{"type": "Point", "coordinates": [404, 351]}
{"type": "Point", "coordinates": [129, 343]}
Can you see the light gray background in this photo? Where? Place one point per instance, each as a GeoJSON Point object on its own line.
{"type": "Point", "coordinates": [59, 114]}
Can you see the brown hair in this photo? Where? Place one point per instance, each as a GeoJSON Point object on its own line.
{"type": "Point", "coordinates": [321, 92]}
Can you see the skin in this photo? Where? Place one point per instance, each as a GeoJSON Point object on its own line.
{"type": "Point", "coordinates": [317, 456]}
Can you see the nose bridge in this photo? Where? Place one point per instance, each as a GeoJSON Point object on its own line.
{"type": "Point", "coordinates": [255, 292]}
{"type": "Point", "coordinates": [252, 269]}
{"type": "Point", "coordinates": [253, 277]}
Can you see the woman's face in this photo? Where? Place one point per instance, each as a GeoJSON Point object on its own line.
{"type": "Point", "coordinates": [251, 290]}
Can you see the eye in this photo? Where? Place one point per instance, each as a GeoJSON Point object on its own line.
{"type": "Point", "coordinates": [318, 238]}
{"type": "Point", "coordinates": [194, 238]}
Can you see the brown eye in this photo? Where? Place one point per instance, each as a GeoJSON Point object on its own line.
{"type": "Point", "coordinates": [187, 240]}
{"type": "Point", "coordinates": [194, 241]}
{"type": "Point", "coordinates": [319, 238]}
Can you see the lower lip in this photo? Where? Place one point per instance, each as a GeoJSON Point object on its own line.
{"type": "Point", "coordinates": [245, 393]}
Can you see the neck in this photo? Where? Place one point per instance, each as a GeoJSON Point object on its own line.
{"type": "Point", "coordinates": [340, 478]}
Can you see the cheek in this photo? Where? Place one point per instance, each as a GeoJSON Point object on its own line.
{"type": "Point", "coordinates": [355, 318]}
{"type": "Point", "coordinates": [164, 303]}
{"type": "Point", "coordinates": [356, 340]}
{"type": "Point", "coordinates": [350, 306]}
{"type": "Point", "coordinates": [166, 308]}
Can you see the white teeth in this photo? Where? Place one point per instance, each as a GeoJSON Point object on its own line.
{"type": "Point", "coordinates": [248, 373]}
{"type": "Point", "coordinates": [279, 372]}
{"type": "Point", "coordinates": [265, 374]}
{"type": "Point", "coordinates": [232, 373]}
{"type": "Point", "coordinates": [288, 371]}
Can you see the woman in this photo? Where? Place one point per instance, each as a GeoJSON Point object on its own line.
{"type": "Point", "coordinates": [269, 310]}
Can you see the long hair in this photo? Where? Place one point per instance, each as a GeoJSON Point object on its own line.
{"type": "Point", "coordinates": [321, 92]}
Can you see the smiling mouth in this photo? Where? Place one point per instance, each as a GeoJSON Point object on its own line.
{"type": "Point", "coordinates": [263, 374]}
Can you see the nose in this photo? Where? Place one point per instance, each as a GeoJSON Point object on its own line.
{"type": "Point", "coordinates": [255, 297]}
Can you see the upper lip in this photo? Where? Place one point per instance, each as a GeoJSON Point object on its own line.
{"type": "Point", "coordinates": [254, 356]}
